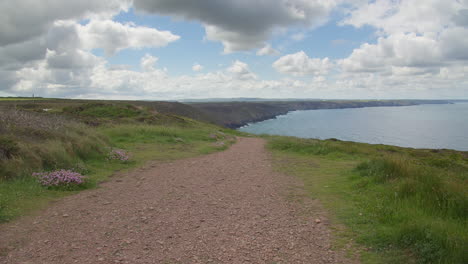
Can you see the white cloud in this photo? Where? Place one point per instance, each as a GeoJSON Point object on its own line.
{"type": "Point", "coordinates": [148, 63]}
{"type": "Point", "coordinates": [242, 24]}
{"type": "Point", "coordinates": [241, 71]}
{"type": "Point", "coordinates": [197, 67]}
{"type": "Point", "coordinates": [421, 43]}
{"type": "Point", "coordinates": [299, 64]}
{"type": "Point", "coordinates": [268, 50]}
{"type": "Point", "coordinates": [420, 50]}
{"type": "Point", "coordinates": [403, 50]}
{"type": "Point", "coordinates": [23, 20]}
{"type": "Point", "coordinates": [298, 36]}
{"type": "Point", "coordinates": [113, 36]}
{"type": "Point", "coordinates": [405, 16]}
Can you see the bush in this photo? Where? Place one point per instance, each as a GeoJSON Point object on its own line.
{"type": "Point", "coordinates": [8, 148]}
{"type": "Point", "coordinates": [62, 179]}
{"type": "Point", "coordinates": [119, 154]}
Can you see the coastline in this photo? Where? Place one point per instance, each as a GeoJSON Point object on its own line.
{"type": "Point", "coordinates": [235, 115]}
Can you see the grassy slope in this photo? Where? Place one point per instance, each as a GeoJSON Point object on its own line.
{"type": "Point", "coordinates": [402, 205]}
{"type": "Point", "coordinates": [59, 139]}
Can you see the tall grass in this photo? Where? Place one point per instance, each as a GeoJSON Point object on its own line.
{"type": "Point", "coordinates": [395, 199]}
{"type": "Point", "coordinates": [34, 141]}
{"type": "Point", "coordinates": [429, 208]}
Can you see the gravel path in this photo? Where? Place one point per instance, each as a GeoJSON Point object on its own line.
{"type": "Point", "coordinates": [227, 207]}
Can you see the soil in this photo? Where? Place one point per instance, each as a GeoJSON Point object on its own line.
{"type": "Point", "coordinates": [227, 207]}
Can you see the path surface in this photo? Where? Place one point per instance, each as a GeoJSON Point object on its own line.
{"type": "Point", "coordinates": [227, 207]}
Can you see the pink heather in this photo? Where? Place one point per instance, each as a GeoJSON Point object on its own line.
{"type": "Point", "coordinates": [59, 178]}
{"type": "Point", "coordinates": [119, 154]}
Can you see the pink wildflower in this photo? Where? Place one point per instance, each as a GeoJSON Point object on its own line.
{"type": "Point", "coordinates": [119, 154]}
{"type": "Point", "coordinates": [59, 178]}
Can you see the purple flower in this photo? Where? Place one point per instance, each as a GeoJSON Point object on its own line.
{"type": "Point", "coordinates": [60, 178]}
{"type": "Point", "coordinates": [119, 154]}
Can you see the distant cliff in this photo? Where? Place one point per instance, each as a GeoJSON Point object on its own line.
{"type": "Point", "coordinates": [237, 114]}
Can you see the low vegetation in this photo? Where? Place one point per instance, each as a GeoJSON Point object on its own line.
{"type": "Point", "coordinates": [403, 205]}
{"type": "Point", "coordinates": [399, 205]}
{"type": "Point", "coordinates": [46, 148]}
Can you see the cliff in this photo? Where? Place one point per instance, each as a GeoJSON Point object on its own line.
{"type": "Point", "coordinates": [237, 114]}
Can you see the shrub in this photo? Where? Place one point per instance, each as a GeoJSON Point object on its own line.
{"type": "Point", "coordinates": [119, 154]}
{"type": "Point", "coordinates": [8, 148]}
{"type": "Point", "coordinates": [61, 178]}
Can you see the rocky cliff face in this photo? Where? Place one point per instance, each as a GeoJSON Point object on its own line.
{"type": "Point", "coordinates": [237, 114]}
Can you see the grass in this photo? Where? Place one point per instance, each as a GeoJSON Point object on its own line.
{"type": "Point", "coordinates": [33, 141]}
{"type": "Point", "coordinates": [22, 98]}
{"type": "Point", "coordinates": [400, 205]}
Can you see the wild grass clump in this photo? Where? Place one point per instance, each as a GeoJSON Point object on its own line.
{"type": "Point", "coordinates": [407, 204]}
{"type": "Point", "coordinates": [32, 142]}
{"type": "Point", "coordinates": [8, 147]}
{"type": "Point", "coordinates": [436, 191]}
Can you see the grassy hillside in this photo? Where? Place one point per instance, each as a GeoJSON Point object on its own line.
{"type": "Point", "coordinates": [79, 136]}
{"type": "Point", "coordinates": [404, 205]}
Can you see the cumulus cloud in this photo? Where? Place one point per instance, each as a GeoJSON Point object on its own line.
{"type": "Point", "coordinates": [197, 67]}
{"type": "Point", "coordinates": [63, 56]}
{"type": "Point", "coordinates": [268, 50]}
{"type": "Point", "coordinates": [300, 64]}
{"type": "Point", "coordinates": [23, 20]}
{"type": "Point", "coordinates": [242, 24]}
{"type": "Point", "coordinates": [113, 36]}
{"type": "Point", "coordinates": [416, 16]}
{"type": "Point", "coordinates": [417, 38]}
{"type": "Point", "coordinates": [241, 70]}
{"type": "Point", "coordinates": [403, 50]}
{"type": "Point", "coordinates": [420, 50]}
{"type": "Point", "coordinates": [148, 63]}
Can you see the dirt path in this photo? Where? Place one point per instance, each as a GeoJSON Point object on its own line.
{"type": "Point", "coordinates": [227, 207]}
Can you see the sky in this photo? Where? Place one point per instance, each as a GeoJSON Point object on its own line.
{"type": "Point", "coordinates": [188, 49]}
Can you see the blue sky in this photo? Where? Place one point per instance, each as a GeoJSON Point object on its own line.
{"type": "Point", "coordinates": [329, 40]}
{"type": "Point", "coordinates": [147, 49]}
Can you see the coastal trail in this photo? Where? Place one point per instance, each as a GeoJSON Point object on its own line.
{"type": "Point", "coordinates": [226, 207]}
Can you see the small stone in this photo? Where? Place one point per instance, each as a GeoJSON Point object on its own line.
{"type": "Point", "coordinates": [318, 221]}
{"type": "Point", "coordinates": [65, 215]}
{"type": "Point", "coordinates": [101, 259]}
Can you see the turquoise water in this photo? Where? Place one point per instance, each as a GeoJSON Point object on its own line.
{"type": "Point", "coordinates": [420, 126]}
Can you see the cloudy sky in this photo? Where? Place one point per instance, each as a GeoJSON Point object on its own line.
{"type": "Point", "coordinates": [173, 49]}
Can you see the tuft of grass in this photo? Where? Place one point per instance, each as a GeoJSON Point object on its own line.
{"type": "Point", "coordinates": [402, 205]}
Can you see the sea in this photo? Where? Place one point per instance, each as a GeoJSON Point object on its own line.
{"type": "Point", "coordinates": [434, 126]}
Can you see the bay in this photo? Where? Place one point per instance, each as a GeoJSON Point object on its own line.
{"type": "Point", "coordinates": [422, 126]}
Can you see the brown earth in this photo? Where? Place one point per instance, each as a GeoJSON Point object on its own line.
{"type": "Point", "coordinates": [227, 207]}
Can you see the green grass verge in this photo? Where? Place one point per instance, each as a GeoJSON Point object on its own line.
{"type": "Point", "coordinates": [400, 205]}
{"type": "Point", "coordinates": [35, 142]}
